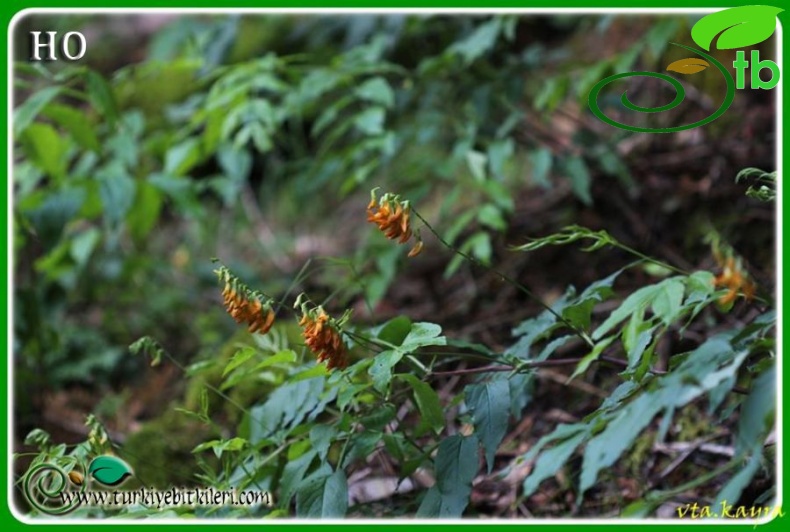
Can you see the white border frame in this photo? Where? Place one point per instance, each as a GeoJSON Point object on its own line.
{"type": "Point", "coordinates": [417, 11]}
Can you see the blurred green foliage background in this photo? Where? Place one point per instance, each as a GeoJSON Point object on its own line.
{"type": "Point", "coordinates": [256, 138]}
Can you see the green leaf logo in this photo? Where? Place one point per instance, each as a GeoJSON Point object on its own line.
{"type": "Point", "coordinates": [109, 470]}
{"type": "Point", "coordinates": [741, 26]}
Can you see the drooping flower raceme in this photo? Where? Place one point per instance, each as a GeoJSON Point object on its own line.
{"type": "Point", "coordinates": [392, 216]}
{"type": "Point", "coordinates": [322, 336]}
{"type": "Point", "coordinates": [244, 305]}
{"type": "Point", "coordinates": [735, 279]}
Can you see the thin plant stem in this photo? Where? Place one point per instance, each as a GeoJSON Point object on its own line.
{"type": "Point", "coordinates": [647, 258]}
{"type": "Point", "coordinates": [699, 481]}
{"type": "Point", "coordinates": [556, 362]}
{"type": "Point", "coordinates": [578, 332]}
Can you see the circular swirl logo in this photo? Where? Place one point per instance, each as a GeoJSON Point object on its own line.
{"type": "Point", "coordinates": [45, 485]}
{"type": "Point", "coordinates": [680, 95]}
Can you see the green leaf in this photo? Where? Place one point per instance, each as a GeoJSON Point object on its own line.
{"type": "Point", "coordinates": [481, 41]}
{"type": "Point", "coordinates": [632, 330]}
{"type": "Point", "coordinates": [117, 191]}
{"type": "Point", "coordinates": [561, 432]}
{"type": "Point", "coordinates": [144, 213]}
{"type": "Point", "coordinates": [379, 417]}
{"type": "Point", "coordinates": [281, 412]}
{"type": "Point", "coordinates": [395, 330]}
{"type": "Point", "coordinates": [541, 160]}
{"type": "Point", "coordinates": [667, 300]}
{"type": "Point", "coordinates": [757, 412]}
{"type": "Point", "coordinates": [499, 194]}
{"type": "Point", "coordinates": [76, 123]}
{"type": "Point", "coordinates": [551, 461]}
{"type": "Point", "coordinates": [427, 402]}
{"type": "Point", "coordinates": [109, 470]}
{"type": "Point", "coordinates": [376, 90]}
{"type": "Point", "coordinates": [698, 374]}
{"type": "Point", "coordinates": [588, 359]}
{"type": "Point", "coordinates": [370, 121]}
{"type": "Point", "coordinates": [521, 388]}
{"type": "Point", "coordinates": [178, 188]}
{"type": "Point", "coordinates": [293, 474]}
{"type": "Point", "coordinates": [431, 504]}
{"type": "Point", "coordinates": [700, 288]}
{"type": "Point", "coordinates": [323, 494]}
{"type": "Point", "coordinates": [532, 330]}
{"type": "Point", "coordinates": [102, 96]}
{"type": "Point", "coordinates": [489, 404]}
{"type": "Point", "coordinates": [381, 368]}
{"type": "Point", "coordinates": [659, 35]}
{"type": "Point", "coordinates": [491, 216]}
{"type": "Point", "coordinates": [83, 245]}
{"type": "Point", "coordinates": [637, 300]}
{"type": "Point", "coordinates": [124, 144]}
{"type": "Point", "coordinates": [739, 27]}
{"type": "Point", "coordinates": [731, 492]}
{"type": "Point", "coordinates": [235, 164]}
{"type": "Point", "coordinates": [422, 334]}
{"type": "Point", "coordinates": [477, 164]}
{"type": "Point", "coordinates": [552, 93]}
{"type": "Point", "coordinates": [220, 446]}
{"type": "Point", "coordinates": [335, 503]}
{"type": "Point", "coordinates": [499, 153]}
{"type": "Point", "coordinates": [362, 446]}
{"type": "Point", "coordinates": [318, 370]}
{"type": "Point", "coordinates": [602, 451]}
{"type": "Point", "coordinates": [455, 467]}
{"type": "Point", "coordinates": [286, 356]}
{"type": "Point", "coordinates": [46, 149]}
{"type": "Point", "coordinates": [233, 444]}
{"type": "Point", "coordinates": [181, 158]}
{"type": "Point", "coordinates": [321, 437]}
{"type": "Point", "coordinates": [25, 113]}
{"type": "Point", "coordinates": [238, 359]}
{"type": "Point", "coordinates": [396, 446]}
{"type": "Point", "coordinates": [579, 310]}
{"type": "Point", "coordinates": [329, 115]}
{"type": "Point", "coordinates": [480, 246]}
{"type": "Point", "coordinates": [579, 175]}
{"type": "Point", "coordinates": [348, 393]}
{"type": "Point", "coordinates": [636, 351]}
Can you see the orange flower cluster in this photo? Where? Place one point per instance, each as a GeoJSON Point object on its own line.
{"type": "Point", "coordinates": [734, 278]}
{"type": "Point", "coordinates": [323, 338]}
{"type": "Point", "coordinates": [245, 306]}
{"type": "Point", "coordinates": [391, 215]}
